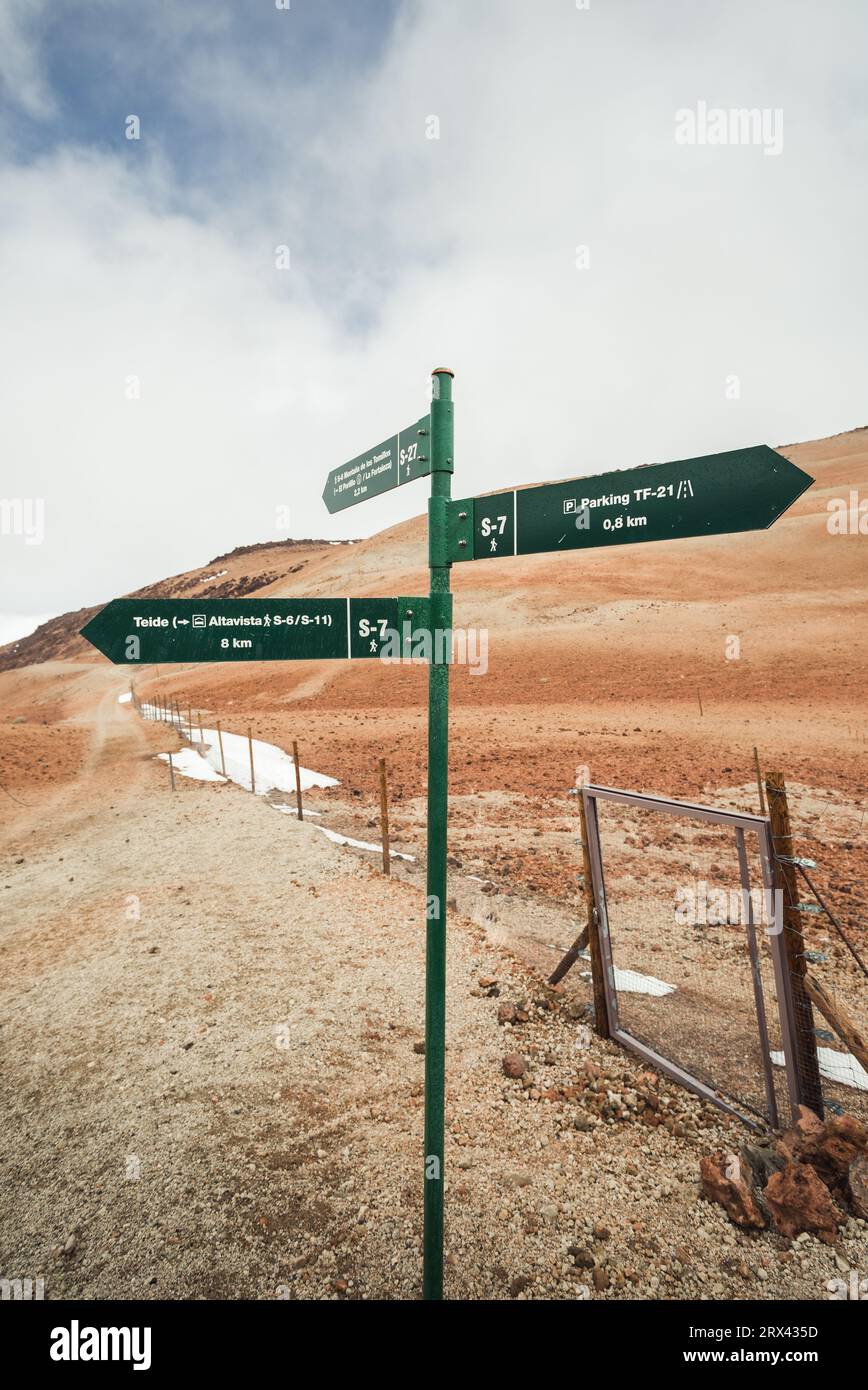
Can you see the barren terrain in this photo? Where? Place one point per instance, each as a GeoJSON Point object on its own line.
{"type": "Point", "coordinates": [209, 1013]}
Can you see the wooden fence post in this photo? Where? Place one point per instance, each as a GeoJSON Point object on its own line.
{"type": "Point", "coordinates": [172, 772]}
{"type": "Point", "coordinates": [601, 1013]}
{"type": "Point", "coordinates": [807, 1064]}
{"type": "Point", "coordinates": [384, 818]}
{"type": "Point", "coordinates": [759, 782]}
{"type": "Point", "coordinates": [220, 741]}
{"type": "Point", "coordinates": [298, 803]}
{"type": "Point", "coordinates": [843, 1025]}
{"type": "Point", "coordinates": [201, 735]}
{"type": "Point", "coordinates": [252, 774]}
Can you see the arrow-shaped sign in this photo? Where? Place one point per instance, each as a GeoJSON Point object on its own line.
{"type": "Point", "coordinates": [396, 461]}
{"type": "Point", "coordinates": [743, 490]}
{"type": "Point", "coordinates": [132, 632]}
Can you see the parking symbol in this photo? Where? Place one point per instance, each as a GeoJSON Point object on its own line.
{"type": "Point", "coordinates": [569, 505]}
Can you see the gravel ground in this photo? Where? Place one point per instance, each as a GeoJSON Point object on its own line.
{"type": "Point", "coordinates": [211, 1084]}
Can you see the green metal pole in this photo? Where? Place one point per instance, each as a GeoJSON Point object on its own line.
{"type": "Point", "coordinates": [438, 767]}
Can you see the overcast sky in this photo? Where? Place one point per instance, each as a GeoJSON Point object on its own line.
{"type": "Point", "coordinates": [607, 293]}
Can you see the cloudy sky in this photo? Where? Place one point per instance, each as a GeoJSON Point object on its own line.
{"type": "Point", "coordinates": [500, 186]}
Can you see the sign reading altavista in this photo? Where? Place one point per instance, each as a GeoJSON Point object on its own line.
{"type": "Point", "coordinates": [743, 490]}
{"type": "Point", "coordinates": [396, 461]}
{"type": "Point", "coordinates": [133, 631]}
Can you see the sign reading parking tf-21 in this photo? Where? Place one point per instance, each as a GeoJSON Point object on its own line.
{"type": "Point", "coordinates": [134, 632]}
{"type": "Point", "coordinates": [742, 490]}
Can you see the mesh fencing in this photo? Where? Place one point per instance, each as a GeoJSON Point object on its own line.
{"type": "Point", "coordinates": [693, 975]}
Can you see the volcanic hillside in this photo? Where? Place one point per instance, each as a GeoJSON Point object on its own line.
{"type": "Point", "coordinates": [792, 589]}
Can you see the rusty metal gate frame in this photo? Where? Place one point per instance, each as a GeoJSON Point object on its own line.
{"type": "Point", "coordinates": [759, 825]}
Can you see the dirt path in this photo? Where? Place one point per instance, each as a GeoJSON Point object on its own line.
{"type": "Point", "coordinates": [211, 1086]}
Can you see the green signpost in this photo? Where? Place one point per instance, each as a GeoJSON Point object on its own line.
{"type": "Point", "coordinates": [394, 462]}
{"type": "Point", "coordinates": [131, 631]}
{"type": "Point", "coordinates": [745, 489]}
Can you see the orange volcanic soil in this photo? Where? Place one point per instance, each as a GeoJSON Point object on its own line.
{"type": "Point", "coordinates": [596, 658]}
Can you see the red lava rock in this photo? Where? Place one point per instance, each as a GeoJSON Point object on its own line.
{"type": "Point", "coordinates": [807, 1129]}
{"type": "Point", "coordinates": [858, 1183]}
{"type": "Point", "coordinates": [514, 1064]}
{"type": "Point", "coordinates": [799, 1200]}
{"type": "Point", "coordinates": [844, 1140]}
{"type": "Point", "coordinates": [829, 1148]}
{"type": "Point", "coordinates": [723, 1181]}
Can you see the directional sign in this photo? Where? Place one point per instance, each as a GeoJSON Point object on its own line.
{"type": "Point", "coordinates": [132, 632]}
{"type": "Point", "coordinates": [398, 460]}
{"type": "Point", "coordinates": [743, 490]}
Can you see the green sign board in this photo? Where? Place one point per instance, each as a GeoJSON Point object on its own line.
{"type": "Point", "coordinates": [396, 461]}
{"type": "Point", "coordinates": [742, 490]}
{"type": "Point", "coordinates": [134, 632]}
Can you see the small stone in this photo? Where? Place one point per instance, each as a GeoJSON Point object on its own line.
{"type": "Point", "coordinates": [601, 1278]}
{"type": "Point", "coordinates": [582, 1257]}
{"type": "Point", "coordinates": [514, 1065]}
{"type": "Point", "coordinates": [520, 1178]}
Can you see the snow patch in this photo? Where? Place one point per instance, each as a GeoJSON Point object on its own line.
{"type": "Point", "coordinates": [841, 1067]}
{"type": "Point", "coordinates": [631, 982]}
{"type": "Point", "coordinates": [361, 844]}
{"type": "Point", "coordinates": [273, 769]}
{"type": "Point", "coordinates": [125, 698]}
{"type": "Point", "coordinates": [188, 762]}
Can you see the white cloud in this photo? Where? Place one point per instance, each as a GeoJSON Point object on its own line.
{"type": "Point", "coordinates": [21, 78]}
{"type": "Point", "coordinates": [556, 129]}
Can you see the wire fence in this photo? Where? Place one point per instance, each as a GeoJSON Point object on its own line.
{"type": "Point", "coordinates": [692, 968]}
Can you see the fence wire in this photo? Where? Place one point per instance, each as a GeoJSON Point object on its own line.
{"type": "Point", "coordinates": [689, 981]}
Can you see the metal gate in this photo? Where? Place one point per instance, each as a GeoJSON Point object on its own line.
{"type": "Point", "coordinates": [711, 1031]}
